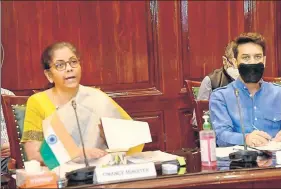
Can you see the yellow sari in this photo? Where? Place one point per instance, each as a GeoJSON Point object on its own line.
{"type": "Point", "coordinates": [92, 104]}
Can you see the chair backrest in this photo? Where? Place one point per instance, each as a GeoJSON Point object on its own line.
{"type": "Point", "coordinates": [276, 80]}
{"type": "Point", "coordinates": [192, 88]}
{"type": "Point", "coordinates": [14, 113]}
{"type": "Point", "coordinates": [201, 106]}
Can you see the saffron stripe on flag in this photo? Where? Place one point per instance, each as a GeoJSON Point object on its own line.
{"type": "Point", "coordinates": [48, 156]}
{"type": "Point", "coordinates": [64, 137]}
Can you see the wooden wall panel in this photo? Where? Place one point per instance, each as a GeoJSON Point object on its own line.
{"type": "Point", "coordinates": [278, 37]}
{"type": "Point", "coordinates": [113, 38]}
{"type": "Point", "coordinates": [139, 52]}
{"type": "Point", "coordinates": [261, 16]}
{"type": "Point", "coordinates": [207, 28]}
{"type": "Point", "coordinates": [185, 117]}
{"type": "Point", "coordinates": [118, 45]}
{"type": "Point", "coordinates": [169, 53]}
{"type": "Point", "coordinates": [156, 123]}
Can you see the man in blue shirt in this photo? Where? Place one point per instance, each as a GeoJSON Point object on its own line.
{"type": "Point", "coordinates": [259, 102]}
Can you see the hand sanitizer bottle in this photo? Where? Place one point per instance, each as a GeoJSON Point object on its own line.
{"type": "Point", "coordinates": [208, 144]}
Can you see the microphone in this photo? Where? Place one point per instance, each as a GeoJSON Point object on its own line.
{"type": "Point", "coordinates": [86, 173]}
{"type": "Point", "coordinates": [73, 103]}
{"type": "Point", "coordinates": [242, 155]}
{"type": "Point", "coordinates": [236, 91]}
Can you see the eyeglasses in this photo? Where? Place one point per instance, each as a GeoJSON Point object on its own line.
{"type": "Point", "coordinates": [61, 65]}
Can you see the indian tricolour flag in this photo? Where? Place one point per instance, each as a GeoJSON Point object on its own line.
{"type": "Point", "coordinates": [58, 146]}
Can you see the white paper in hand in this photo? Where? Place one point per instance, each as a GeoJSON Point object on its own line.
{"type": "Point", "coordinates": [271, 146]}
{"type": "Point", "coordinates": [124, 134]}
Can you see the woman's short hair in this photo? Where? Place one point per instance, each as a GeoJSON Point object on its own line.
{"type": "Point", "coordinates": [48, 53]}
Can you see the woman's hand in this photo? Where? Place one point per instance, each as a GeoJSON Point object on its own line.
{"type": "Point", "coordinates": [5, 150]}
{"type": "Point", "coordinates": [32, 150]}
{"type": "Point", "coordinates": [92, 153]}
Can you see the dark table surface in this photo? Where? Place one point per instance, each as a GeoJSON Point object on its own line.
{"type": "Point", "coordinates": [226, 172]}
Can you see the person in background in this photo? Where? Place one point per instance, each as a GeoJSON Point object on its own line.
{"type": "Point", "coordinates": [5, 145]}
{"type": "Point", "coordinates": [219, 77]}
{"type": "Point", "coordinates": [61, 63]}
{"type": "Point", "coordinates": [260, 101]}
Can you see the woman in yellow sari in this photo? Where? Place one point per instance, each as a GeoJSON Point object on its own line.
{"type": "Point", "coordinates": [62, 68]}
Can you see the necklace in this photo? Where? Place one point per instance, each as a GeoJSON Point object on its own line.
{"type": "Point", "coordinates": [55, 103]}
{"type": "Point", "coordinates": [55, 100]}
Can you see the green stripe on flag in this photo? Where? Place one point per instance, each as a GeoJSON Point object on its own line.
{"type": "Point", "coordinates": [48, 156]}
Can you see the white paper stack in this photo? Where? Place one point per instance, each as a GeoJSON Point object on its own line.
{"type": "Point", "coordinates": [124, 134]}
{"type": "Point", "coordinates": [151, 156]}
{"type": "Point", "coordinates": [271, 146]}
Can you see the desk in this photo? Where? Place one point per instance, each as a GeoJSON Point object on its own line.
{"type": "Point", "coordinates": [264, 175]}
{"type": "Point", "coordinates": [252, 178]}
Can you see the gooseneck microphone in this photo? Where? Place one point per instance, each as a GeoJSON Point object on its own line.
{"type": "Point", "coordinates": [245, 155]}
{"type": "Point", "coordinates": [84, 174]}
{"type": "Point", "coordinates": [73, 103]}
{"type": "Point", "coordinates": [236, 91]}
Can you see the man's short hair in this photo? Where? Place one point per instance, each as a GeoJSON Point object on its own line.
{"type": "Point", "coordinates": [244, 38]}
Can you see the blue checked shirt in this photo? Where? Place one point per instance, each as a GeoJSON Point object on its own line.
{"type": "Point", "coordinates": [262, 111]}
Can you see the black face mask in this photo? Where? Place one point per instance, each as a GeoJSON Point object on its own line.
{"type": "Point", "coordinates": [251, 73]}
